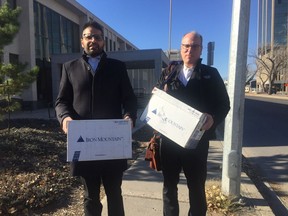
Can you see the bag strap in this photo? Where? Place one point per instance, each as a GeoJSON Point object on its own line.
{"type": "Point", "coordinates": [170, 74]}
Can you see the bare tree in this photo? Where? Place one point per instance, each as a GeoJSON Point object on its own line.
{"type": "Point", "coordinates": [250, 73]}
{"type": "Point", "coordinates": [271, 64]}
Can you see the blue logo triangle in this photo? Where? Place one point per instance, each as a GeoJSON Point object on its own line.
{"type": "Point", "coordinates": [154, 111]}
{"type": "Point", "coordinates": [80, 139]}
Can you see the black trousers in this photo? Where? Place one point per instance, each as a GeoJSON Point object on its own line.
{"type": "Point", "coordinates": [112, 182]}
{"type": "Point", "coordinates": [194, 165]}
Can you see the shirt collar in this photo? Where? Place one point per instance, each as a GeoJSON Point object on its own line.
{"type": "Point", "coordinates": [97, 58]}
{"type": "Point", "coordinates": [187, 68]}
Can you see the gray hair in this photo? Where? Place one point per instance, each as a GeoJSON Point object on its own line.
{"type": "Point", "coordinates": [197, 35]}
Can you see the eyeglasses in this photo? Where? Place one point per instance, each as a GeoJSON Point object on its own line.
{"type": "Point", "coordinates": [97, 37]}
{"type": "Point", "coordinates": [192, 46]}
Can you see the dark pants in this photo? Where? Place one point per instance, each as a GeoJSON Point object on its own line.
{"type": "Point", "coordinates": [112, 185]}
{"type": "Point", "coordinates": [194, 165]}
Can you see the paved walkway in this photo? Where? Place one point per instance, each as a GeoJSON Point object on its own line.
{"type": "Point", "coordinates": [142, 186]}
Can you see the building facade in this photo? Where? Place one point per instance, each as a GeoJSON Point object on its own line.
{"type": "Point", "coordinates": [53, 28]}
{"type": "Point", "coordinates": [272, 22]}
{"type": "Point", "coordinates": [273, 32]}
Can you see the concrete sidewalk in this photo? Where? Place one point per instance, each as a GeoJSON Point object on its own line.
{"type": "Point", "coordinates": [142, 188]}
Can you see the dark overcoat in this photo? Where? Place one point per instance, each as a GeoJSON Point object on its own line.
{"type": "Point", "coordinates": [106, 95]}
{"type": "Point", "coordinates": [206, 92]}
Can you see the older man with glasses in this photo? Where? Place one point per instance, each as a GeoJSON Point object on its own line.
{"type": "Point", "coordinates": [201, 87]}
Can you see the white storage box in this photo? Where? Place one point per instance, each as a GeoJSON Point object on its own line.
{"type": "Point", "coordinates": [99, 140]}
{"type": "Point", "coordinates": [174, 119]}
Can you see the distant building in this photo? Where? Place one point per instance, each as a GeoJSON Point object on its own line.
{"type": "Point", "coordinates": [174, 55]}
{"type": "Point", "coordinates": [272, 31]}
{"type": "Point", "coordinates": [51, 29]}
{"type": "Point", "coordinates": [210, 53]}
{"type": "Point", "coordinates": [272, 23]}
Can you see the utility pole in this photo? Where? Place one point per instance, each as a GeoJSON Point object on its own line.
{"type": "Point", "coordinates": [170, 30]}
{"type": "Point", "coordinates": [233, 136]}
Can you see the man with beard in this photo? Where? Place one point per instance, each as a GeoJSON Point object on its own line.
{"type": "Point", "coordinates": [202, 88]}
{"type": "Point", "coordinates": [96, 87]}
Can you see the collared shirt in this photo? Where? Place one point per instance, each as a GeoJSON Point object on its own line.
{"type": "Point", "coordinates": [185, 74]}
{"type": "Point", "coordinates": [94, 61]}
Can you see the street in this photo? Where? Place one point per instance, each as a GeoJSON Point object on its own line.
{"type": "Point", "coordinates": [265, 146]}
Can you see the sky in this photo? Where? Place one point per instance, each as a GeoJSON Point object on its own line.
{"type": "Point", "coordinates": [145, 23]}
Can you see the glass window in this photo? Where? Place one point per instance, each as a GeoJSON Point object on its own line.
{"type": "Point", "coordinates": [54, 34]}
{"type": "Point", "coordinates": [13, 58]}
{"type": "Point", "coordinates": [106, 43]}
{"type": "Point", "coordinates": [110, 44]}
{"type": "Point", "coordinates": [12, 4]}
{"type": "Point", "coordinates": [75, 38]}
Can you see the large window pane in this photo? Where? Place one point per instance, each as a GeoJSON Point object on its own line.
{"type": "Point", "coordinates": [54, 34]}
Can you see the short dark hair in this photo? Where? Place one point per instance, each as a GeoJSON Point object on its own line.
{"type": "Point", "coordinates": [93, 24]}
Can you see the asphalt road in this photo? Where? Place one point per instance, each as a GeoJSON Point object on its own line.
{"type": "Point", "coordinates": [265, 146]}
{"type": "Point", "coordinates": [265, 123]}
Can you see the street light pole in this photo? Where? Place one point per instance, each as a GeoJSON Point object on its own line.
{"type": "Point", "coordinates": [170, 29]}
{"type": "Point", "coordinates": [232, 150]}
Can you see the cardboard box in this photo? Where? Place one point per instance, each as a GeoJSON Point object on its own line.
{"type": "Point", "coordinates": [99, 140]}
{"type": "Point", "coordinates": [174, 119]}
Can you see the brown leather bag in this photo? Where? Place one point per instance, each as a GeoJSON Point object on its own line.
{"type": "Point", "coordinates": [153, 152]}
{"type": "Point", "coordinates": [153, 149]}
